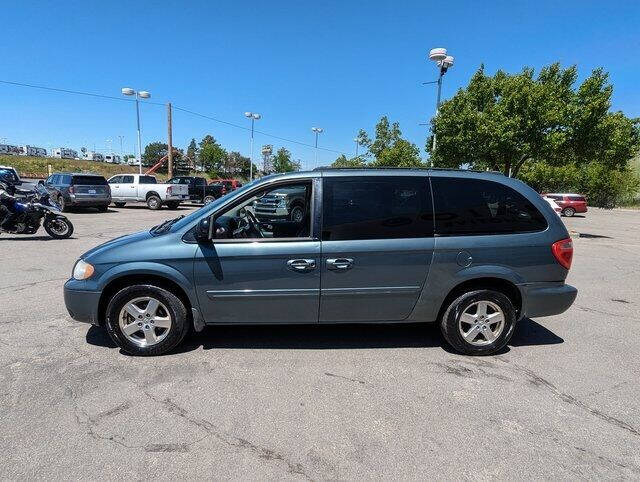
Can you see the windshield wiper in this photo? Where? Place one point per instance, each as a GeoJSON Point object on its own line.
{"type": "Point", "coordinates": [164, 226]}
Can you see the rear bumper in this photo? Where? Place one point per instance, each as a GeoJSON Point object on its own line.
{"type": "Point", "coordinates": [89, 202]}
{"type": "Point", "coordinates": [81, 305]}
{"type": "Point", "coordinates": [177, 197]}
{"type": "Point", "coordinates": [546, 299]}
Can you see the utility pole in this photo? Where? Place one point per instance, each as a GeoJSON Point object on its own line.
{"type": "Point", "coordinates": [170, 141]}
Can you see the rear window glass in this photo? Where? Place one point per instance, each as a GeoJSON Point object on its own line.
{"type": "Point", "coordinates": [376, 208]}
{"type": "Point", "coordinates": [148, 180]}
{"type": "Point", "coordinates": [466, 207]}
{"type": "Point", "coordinates": [89, 181]}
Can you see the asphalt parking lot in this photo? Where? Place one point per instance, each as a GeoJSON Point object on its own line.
{"type": "Point", "coordinates": [320, 402]}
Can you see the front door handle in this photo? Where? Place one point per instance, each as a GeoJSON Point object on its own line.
{"type": "Point", "coordinates": [340, 264]}
{"type": "Point", "coordinates": [301, 264]}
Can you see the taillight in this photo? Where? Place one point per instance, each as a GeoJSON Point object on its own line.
{"type": "Point", "coordinates": [563, 252]}
{"type": "Point", "coordinates": [169, 190]}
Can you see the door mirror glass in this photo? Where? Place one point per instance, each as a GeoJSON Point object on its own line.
{"type": "Point", "coordinates": [203, 230]}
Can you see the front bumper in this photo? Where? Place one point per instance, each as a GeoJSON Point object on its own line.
{"type": "Point", "coordinates": [82, 305]}
{"type": "Point", "coordinates": [546, 299]}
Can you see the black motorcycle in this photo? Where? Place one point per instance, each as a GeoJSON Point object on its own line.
{"type": "Point", "coordinates": [39, 206]}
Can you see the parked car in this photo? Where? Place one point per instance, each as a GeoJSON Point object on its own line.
{"type": "Point", "coordinates": [199, 191]}
{"type": "Point", "coordinates": [287, 203]}
{"type": "Point", "coordinates": [569, 203]}
{"type": "Point", "coordinates": [472, 251]}
{"type": "Point", "coordinates": [73, 189]}
{"type": "Point", "coordinates": [128, 188]}
{"type": "Point", "coordinates": [553, 204]}
{"type": "Point", "coordinates": [228, 184]}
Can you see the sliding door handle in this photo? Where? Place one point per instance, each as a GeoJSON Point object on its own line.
{"type": "Point", "coordinates": [301, 264]}
{"type": "Point", "coordinates": [339, 264]}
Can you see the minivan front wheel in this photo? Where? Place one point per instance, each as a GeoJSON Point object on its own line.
{"type": "Point", "coordinates": [146, 320]}
{"type": "Point", "coordinates": [479, 322]}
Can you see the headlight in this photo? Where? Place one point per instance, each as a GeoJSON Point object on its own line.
{"type": "Point", "coordinates": [82, 270]}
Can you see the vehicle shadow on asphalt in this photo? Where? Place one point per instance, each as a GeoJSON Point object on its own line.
{"type": "Point", "coordinates": [27, 237]}
{"type": "Point", "coordinates": [329, 337]}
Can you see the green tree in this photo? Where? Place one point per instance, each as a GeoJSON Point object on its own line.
{"type": "Point", "coordinates": [388, 148]}
{"type": "Point", "coordinates": [343, 162]}
{"type": "Point", "coordinates": [503, 122]}
{"type": "Point", "coordinates": [192, 151]}
{"type": "Point", "coordinates": [212, 158]}
{"type": "Point", "coordinates": [155, 151]}
{"type": "Point", "coordinates": [282, 161]}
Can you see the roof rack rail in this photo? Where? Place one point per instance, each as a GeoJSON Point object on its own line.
{"type": "Point", "coordinates": [367, 168]}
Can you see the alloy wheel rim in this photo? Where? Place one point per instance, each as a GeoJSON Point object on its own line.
{"type": "Point", "coordinates": [297, 215]}
{"type": "Point", "coordinates": [59, 227]}
{"type": "Point", "coordinates": [145, 321]}
{"type": "Point", "coordinates": [481, 323]}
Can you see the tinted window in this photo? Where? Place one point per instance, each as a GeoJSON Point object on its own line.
{"type": "Point", "coordinates": [146, 180]}
{"type": "Point", "coordinates": [473, 206]}
{"type": "Point", "coordinates": [115, 180]}
{"type": "Point", "coordinates": [576, 198]}
{"type": "Point", "coordinates": [89, 181]}
{"type": "Point", "coordinates": [376, 208]}
{"type": "Point", "coordinates": [200, 181]}
{"type": "Point", "coordinates": [555, 198]}
{"type": "Point", "coordinates": [127, 180]}
{"type": "Point", "coordinates": [66, 180]}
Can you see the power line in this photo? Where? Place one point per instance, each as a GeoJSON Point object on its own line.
{"type": "Point", "coordinates": [123, 99]}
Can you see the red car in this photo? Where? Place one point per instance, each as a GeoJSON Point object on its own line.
{"type": "Point", "coordinates": [228, 185]}
{"type": "Point", "coordinates": [569, 203]}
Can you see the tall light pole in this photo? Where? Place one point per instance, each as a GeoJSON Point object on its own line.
{"type": "Point", "coordinates": [444, 62]}
{"type": "Point", "coordinates": [357, 141]}
{"type": "Point", "coordinates": [254, 116]}
{"type": "Point", "coordinates": [317, 130]}
{"type": "Point", "coordinates": [121, 152]}
{"type": "Point", "coordinates": [142, 94]}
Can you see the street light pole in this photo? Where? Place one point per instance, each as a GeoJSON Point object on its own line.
{"type": "Point", "coordinates": [444, 62]}
{"type": "Point", "coordinates": [357, 141]}
{"type": "Point", "coordinates": [254, 117]}
{"type": "Point", "coordinates": [143, 94]}
{"type": "Point", "coordinates": [317, 130]}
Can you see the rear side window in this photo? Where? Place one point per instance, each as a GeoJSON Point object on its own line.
{"type": "Point", "coordinates": [576, 198]}
{"type": "Point", "coordinates": [466, 207]}
{"type": "Point", "coordinates": [376, 208]}
{"type": "Point", "coordinates": [89, 181]}
{"type": "Point", "coordinates": [147, 180]}
{"type": "Point", "coordinates": [66, 180]}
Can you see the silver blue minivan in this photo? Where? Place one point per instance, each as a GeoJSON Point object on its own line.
{"type": "Point", "coordinates": [472, 251]}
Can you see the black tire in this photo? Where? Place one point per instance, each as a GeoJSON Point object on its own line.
{"type": "Point", "coordinates": [568, 212]}
{"type": "Point", "coordinates": [450, 326]}
{"type": "Point", "coordinates": [103, 209]}
{"type": "Point", "coordinates": [57, 231]}
{"type": "Point", "coordinates": [297, 214]}
{"type": "Point", "coordinates": [208, 199]}
{"type": "Point", "coordinates": [180, 324]}
{"type": "Point", "coordinates": [119, 204]}
{"type": "Point", "coordinates": [63, 204]}
{"type": "Point", "coordinates": [173, 205]}
{"type": "Point", "coordinates": [154, 202]}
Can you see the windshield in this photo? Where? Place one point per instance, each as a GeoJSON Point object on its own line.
{"type": "Point", "coordinates": [208, 208]}
{"type": "Point", "coordinates": [11, 173]}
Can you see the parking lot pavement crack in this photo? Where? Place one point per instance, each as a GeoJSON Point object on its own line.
{"type": "Point", "coordinates": [361, 382]}
{"type": "Point", "coordinates": [231, 440]}
{"type": "Point", "coordinates": [20, 287]}
{"type": "Point", "coordinates": [538, 381]}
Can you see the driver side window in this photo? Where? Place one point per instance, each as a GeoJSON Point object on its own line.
{"type": "Point", "coordinates": [277, 212]}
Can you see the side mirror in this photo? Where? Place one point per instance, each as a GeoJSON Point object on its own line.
{"type": "Point", "coordinates": [203, 230]}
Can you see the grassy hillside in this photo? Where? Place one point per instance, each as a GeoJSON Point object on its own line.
{"type": "Point", "coordinates": [39, 166]}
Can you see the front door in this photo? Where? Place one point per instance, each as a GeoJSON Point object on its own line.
{"type": "Point", "coordinates": [377, 246]}
{"type": "Point", "coordinates": [261, 269]}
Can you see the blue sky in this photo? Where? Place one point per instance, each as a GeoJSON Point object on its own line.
{"type": "Point", "coordinates": [335, 64]}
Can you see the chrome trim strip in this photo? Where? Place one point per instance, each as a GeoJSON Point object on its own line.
{"type": "Point", "coordinates": [382, 290]}
{"type": "Point", "coordinates": [221, 294]}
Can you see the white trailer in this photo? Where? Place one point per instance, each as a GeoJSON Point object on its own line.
{"type": "Point", "coordinates": [33, 151]}
{"type": "Point", "coordinates": [63, 153]}
{"type": "Point", "coordinates": [9, 150]}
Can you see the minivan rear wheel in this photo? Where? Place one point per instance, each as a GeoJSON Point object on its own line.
{"type": "Point", "coordinates": [146, 320]}
{"type": "Point", "coordinates": [569, 212]}
{"type": "Point", "coordinates": [479, 322]}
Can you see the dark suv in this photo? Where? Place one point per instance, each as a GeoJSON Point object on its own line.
{"type": "Point", "coordinates": [287, 203]}
{"type": "Point", "coordinates": [78, 189]}
{"type": "Point", "coordinates": [199, 191]}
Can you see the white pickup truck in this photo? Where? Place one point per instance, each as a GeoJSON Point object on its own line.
{"type": "Point", "coordinates": [128, 188]}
